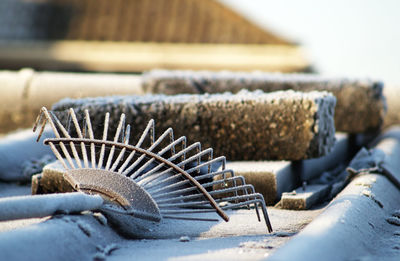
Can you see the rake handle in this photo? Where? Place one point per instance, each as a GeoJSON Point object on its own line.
{"type": "Point", "coordinates": [21, 207]}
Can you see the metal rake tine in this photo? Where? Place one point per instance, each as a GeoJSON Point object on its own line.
{"type": "Point", "coordinates": [39, 119]}
{"type": "Point", "coordinates": [181, 140]}
{"type": "Point", "coordinates": [196, 157]}
{"type": "Point", "coordinates": [146, 178]}
{"type": "Point", "coordinates": [154, 184]}
{"type": "Point", "coordinates": [195, 146]}
{"type": "Point", "coordinates": [175, 192]}
{"type": "Point", "coordinates": [208, 163]}
{"type": "Point", "coordinates": [71, 144]}
{"type": "Point", "coordinates": [127, 134]}
{"type": "Point", "coordinates": [160, 153]}
{"type": "Point", "coordinates": [258, 198]}
{"type": "Point", "coordinates": [58, 155]}
{"type": "Point", "coordinates": [265, 212]}
{"type": "Point", "coordinates": [205, 185]}
{"type": "Point", "coordinates": [191, 218]}
{"type": "Point", "coordinates": [91, 136]}
{"type": "Point", "coordinates": [213, 193]}
{"type": "Point", "coordinates": [184, 204]}
{"type": "Point", "coordinates": [186, 211]}
{"type": "Point", "coordinates": [171, 141]}
{"type": "Point", "coordinates": [79, 131]}
{"type": "Point", "coordinates": [122, 170]}
{"type": "Point", "coordinates": [149, 128]}
{"type": "Point", "coordinates": [153, 178]}
{"type": "Point", "coordinates": [218, 173]}
{"type": "Point", "coordinates": [170, 178]}
{"type": "Point", "coordinates": [155, 144]}
{"type": "Point", "coordinates": [150, 125]}
{"type": "Point", "coordinates": [222, 181]}
{"type": "Point", "coordinates": [122, 152]}
{"type": "Point", "coordinates": [117, 133]}
{"type": "Point", "coordinates": [56, 133]}
{"type": "Point", "coordinates": [48, 118]}
{"type": "Point", "coordinates": [105, 130]}
{"type": "Point", "coordinates": [235, 189]}
{"type": "Point", "coordinates": [180, 198]}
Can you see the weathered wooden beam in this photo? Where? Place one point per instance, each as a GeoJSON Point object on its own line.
{"type": "Point", "coordinates": [140, 56]}
{"type": "Point", "coordinates": [25, 92]}
{"type": "Point", "coordinates": [360, 102]}
{"type": "Point", "coordinates": [245, 126]}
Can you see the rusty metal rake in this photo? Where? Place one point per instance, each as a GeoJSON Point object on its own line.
{"type": "Point", "coordinates": [150, 180]}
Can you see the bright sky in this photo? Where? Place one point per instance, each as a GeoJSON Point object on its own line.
{"type": "Point", "coordinates": [343, 37]}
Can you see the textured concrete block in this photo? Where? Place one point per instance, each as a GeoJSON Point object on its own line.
{"type": "Point", "coordinates": [302, 199]}
{"type": "Point", "coordinates": [51, 180]}
{"type": "Point", "coordinates": [360, 102]}
{"type": "Point", "coordinates": [273, 178]}
{"type": "Point", "coordinates": [245, 126]}
{"type": "Point", "coordinates": [270, 178]}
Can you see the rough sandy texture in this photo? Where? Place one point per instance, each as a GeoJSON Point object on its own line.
{"type": "Point", "coordinates": [360, 102]}
{"type": "Point", "coordinates": [245, 126]}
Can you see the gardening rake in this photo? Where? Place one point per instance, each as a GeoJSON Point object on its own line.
{"type": "Point", "coordinates": [150, 179]}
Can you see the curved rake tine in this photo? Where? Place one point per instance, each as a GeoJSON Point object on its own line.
{"type": "Point", "coordinates": [49, 119]}
{"type": "Point", "coordinates": [127, 134]}
{"type": "Point", "coordinates": [148, 130]}
{"type": "Point", "coordinates": [80, 135]}
{"type": "Point", "coordinates": [91, 136]}
{"type": "Point", "coordinates": [117, 134]}
{"type": "Point", "coordinates": [103, 147]}
{"type": "Point", "coordinates": [71, 144]}
{"type": "Point", "coordinates": [155, 144]}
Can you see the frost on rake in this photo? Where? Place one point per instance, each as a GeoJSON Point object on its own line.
{"type": "Point", "coordinates": [150, 178]}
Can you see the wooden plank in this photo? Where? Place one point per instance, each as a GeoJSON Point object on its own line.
{"type": "Point", "coordinates": [130, 57]}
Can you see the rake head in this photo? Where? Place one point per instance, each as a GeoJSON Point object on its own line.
{"type": "Point", "coordinates": [149, 179]}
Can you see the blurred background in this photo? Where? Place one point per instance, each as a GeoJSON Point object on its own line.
{"type": "Point", "coordinates": [52, 49]}
{"type": "Point", "coordinates": [348, 38]}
